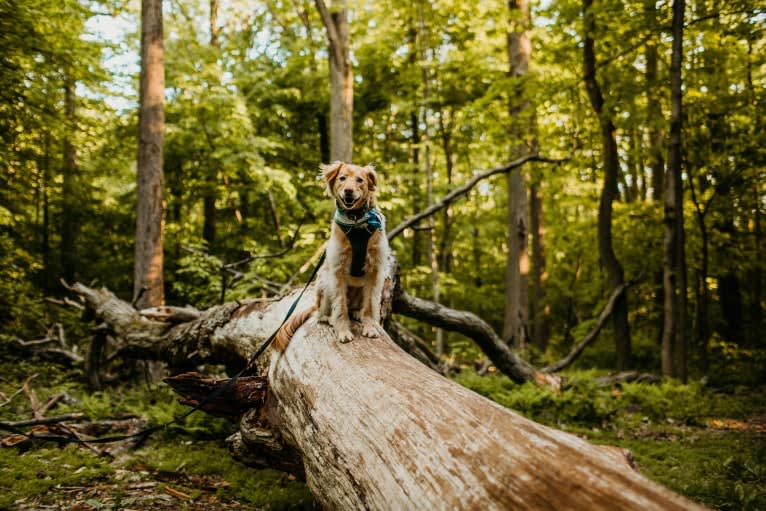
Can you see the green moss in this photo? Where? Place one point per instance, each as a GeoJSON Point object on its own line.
{"type": "Point", "coordinates": [722, 469]}
{"type": "Point", "coordinates": [33, 473]}
{"type": "Point", "coordinates": [258, 487]}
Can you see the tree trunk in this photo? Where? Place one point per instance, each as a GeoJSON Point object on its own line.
{"type": "Point", "coordinates": [69, 208]}
{"type": "Point", "coordinates": [655, 119]}
{"type": "Point", "coordinates": [209, 210]}
{"type": "Point", "coordinates": [608, 193]}
{"type": "Point", "coordinates": [416, 202]}
{"type": "Point", "coordinates": [445, 244]}
{"type": "Point", "coordinates": [45, 249]}
{"type": "Point", "coordinates": [515, 327]}
{"type": "Point", "coordinates": [412, 39]}
{"type": "Point", "coordinates": [426, 137]}
{"type": "Point", "coordinates": [148, 281]}
{"type": "Point", "coordinates": [369, 427]}
{"type": "Point", "coordinates": [210, 188]}
{"type": "Point", "coordinates": [674, 270]}
{"type": "Point", "coordinates": [756, 311]}
{"type": "Point", "coordinates": [540, 320]}
{"type": "Point", "coordinates": [702, 298]}
{"type": "Point", "coordinates": [341, 81]}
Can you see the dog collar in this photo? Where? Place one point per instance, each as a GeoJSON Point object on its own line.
{"type": "Point", "coordinates": [363, 218]}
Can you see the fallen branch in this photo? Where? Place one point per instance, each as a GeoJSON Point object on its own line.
{"type": "Point", "coordinates": [170, 314]}
{"type": "Point", "coordinates": [23, 386]}
{"type": "Point", "coordinates": [475, 328]}
{"type": "Point", "coordinates": [70, 355]}
{"type": "Point", "coordinates": [627, 377]}
{"type": "Point", "coordinates": [53, 401]}
{"type": "Point", "coordinates": [75, 416]}
{"type": "Point", "coordinates": [66, 302]}
{"type": "Point", "coordinates": [591, 336]}
{"type": "Point", "coordinates": [463, 190]}
{"type": "Point", "coordinates": [414, 345]}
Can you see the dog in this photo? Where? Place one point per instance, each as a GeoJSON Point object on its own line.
{"type": "Point", "coordinates": [353, 273]}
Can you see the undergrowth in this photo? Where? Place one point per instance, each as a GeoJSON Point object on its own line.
{"type": "Point", "coordinates": [193, 448]}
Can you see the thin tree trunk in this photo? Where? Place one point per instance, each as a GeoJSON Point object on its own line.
{"type": "Point", "coordinates": [755, 307]}
{"type": "Point", "coordinates": [416, 203]}
{"type": "Point", "coordinates": [46, 246]}
{"type": "Point", "coordinates": [432, 256]}
{"type": "Point", "coordinates": [756, 310]}
{"type": "Point", "coordinates": [210, 188]}
{"type": "Point", "coordinates": [209, 210]}
{"type": "Point", "coordinates": [516, 323]}
{"type": "Point", "coordinates": [674, 274]}
{"type": "Point", "coordinates": [214, 23]}
{"type": "Point", "coordinates": [324, 137]}
{"type": "Point", "coordinates": [702, 298]}
{"type": "Point", "coordinates": [445, 245]}
{"type": "Point", "coordinates": [655, 119]}
{"type": "Point", "coordinates": [656, 160]}
{"type": "Point", "coordinates": [634, 160]}
{"type": "Point", "coordinates": [413, 41]}
{"type": "Point", "coordinates": [68, 215]}
{"type": "Point", "coordinates": [540, 320]}
{"type": "Point", "coordinates": [148, 280]}
{"type": "Point", "coordinates": [341, 80]}
{"type": "Point", "coordinates": [608, 193]}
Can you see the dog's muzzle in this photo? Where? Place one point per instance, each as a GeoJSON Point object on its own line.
{"type": "Point", "coordinates": [348, 199]}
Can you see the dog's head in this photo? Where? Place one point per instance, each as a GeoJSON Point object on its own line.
{"type": "Point", "coordinates": [351, 186]}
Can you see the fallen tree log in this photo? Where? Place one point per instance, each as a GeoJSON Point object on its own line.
{"type": "Point", "coordinates": [369, 427]}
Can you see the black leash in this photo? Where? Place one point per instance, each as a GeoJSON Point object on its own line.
{"type": "Point", "coordinates": [229, 384]}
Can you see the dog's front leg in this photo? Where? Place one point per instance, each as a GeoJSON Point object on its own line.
{"type": "Point", "coordinates": [338, 292]}
{"type": "Point", "coordinates": [339, 310]}
{"type": "Point", "coordinates": [373, 287]}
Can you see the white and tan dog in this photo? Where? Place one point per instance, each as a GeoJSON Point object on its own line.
{"type": "Point", "coordinates": [352, 275]}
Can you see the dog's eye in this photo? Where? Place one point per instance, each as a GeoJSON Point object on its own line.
{"type": "Point", "coordinates": [342, 178]}
{"type": "Point", "coordinates": [359, 180]}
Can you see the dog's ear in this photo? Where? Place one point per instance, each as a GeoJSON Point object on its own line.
{"type": "Point", "coordinates": [330, 172]}
{"type": "Point", "coordinates": [372, 178]}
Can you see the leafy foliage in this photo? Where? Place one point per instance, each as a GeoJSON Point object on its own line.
{"type": "Point", "coordinates": [247, 124]}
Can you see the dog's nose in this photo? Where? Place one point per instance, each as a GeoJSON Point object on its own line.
{"type": "Point", "coordinates": [348, 193]}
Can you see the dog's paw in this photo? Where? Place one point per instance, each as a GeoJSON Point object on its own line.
{"type": "Point", "coordinates": [369, 329]}
{"type": "Point", "coordinates": [357, 314]}
{"type": "Point", "coordinates": [345, 335]}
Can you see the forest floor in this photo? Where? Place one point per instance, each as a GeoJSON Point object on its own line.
{"type": "Point", "coordinates": [706, 443]}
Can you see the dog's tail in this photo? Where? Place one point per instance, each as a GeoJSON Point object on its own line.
{"type": "Point", "coordinates": [285, 333]}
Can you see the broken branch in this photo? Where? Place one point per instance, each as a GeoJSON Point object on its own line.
{"type": "Point", "coordinates": [592, 335]}
{"type": "Point", "coordinates": [463, 190]}
{"type": "Point", "coordinates": [473, 327]}
{"type": "Point", "coordinates": [75, 416]}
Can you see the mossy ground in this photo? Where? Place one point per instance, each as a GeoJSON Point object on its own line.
{"type": "Point", "coordinates": [706, 443]}
{"type": "Point", "coordinates": [183, 467]}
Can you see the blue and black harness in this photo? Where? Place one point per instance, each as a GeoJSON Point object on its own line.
{"type": "Point", "coordinates": [358, 225]}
